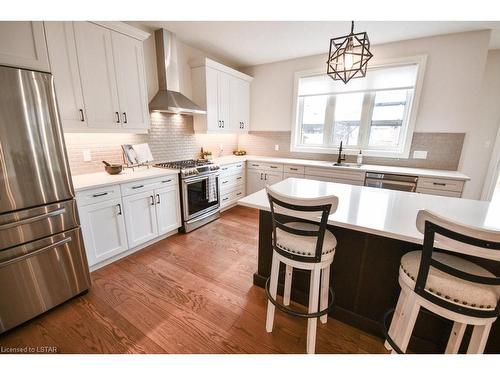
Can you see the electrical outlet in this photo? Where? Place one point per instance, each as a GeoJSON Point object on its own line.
{"type": "Point", "coordinates": [276, 147]}
{"type": "Point", "coordinates": [419, 154]}
{"type": "Point", "coordinates": [87, 156]}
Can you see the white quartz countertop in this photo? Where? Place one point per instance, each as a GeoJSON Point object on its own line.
{"type": "Point", "coordinates": [388, 213]}
{"type": "Point", "coordinates": [421, 172]}
{"type": "Point", "coordinates": [100, 179]}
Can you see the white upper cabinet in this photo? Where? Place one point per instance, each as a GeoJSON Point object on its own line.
{"type": "Point", "coordinates": [131, 79]}
{"type": "Point", "coordinates": [225, 94]}
{"type": "Point", "coordinates": [64, 66]}
{"type": "Point", "coordinates": [240, 105]}
{"type": "Point", "coordinates": [100, 76]}
{"type": "Point", "coordinates": [97, 69]}
{"type": "Point", "coordinates": [22, 44]}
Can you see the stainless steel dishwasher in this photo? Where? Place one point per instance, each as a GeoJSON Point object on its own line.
{"type": "Point", "coordinates": [391, 181]}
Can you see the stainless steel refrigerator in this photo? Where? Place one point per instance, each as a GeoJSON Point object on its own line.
{"type": "Point", "coordinates": [42, 256]}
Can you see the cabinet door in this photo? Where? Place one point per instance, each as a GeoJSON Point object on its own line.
{"type": "Point", "coordinates": [255, 180]}
{"type": "Point", "coordinates": [168, 209]}
{"type": "Point", "coordinates": [97, 70]}
{"type": "Point", "coordinates": [140, 218]}
{"type": "Point", "coordinates": [213, 123]}
{"type": "Point", "coordinates": [103, 230]}
{"type": "Point", "coordinates": [64, 66]}
{"type": "Point", "coordinates": [240, 105]}
{"type": "Point", "coordinates": [271, 178]}
{"type": "Point", "coordinates": [131, 81]}
{"type": "Point", "coordinates": [223, 99]}
{"type": "Point", "coordinates": [22, 45]}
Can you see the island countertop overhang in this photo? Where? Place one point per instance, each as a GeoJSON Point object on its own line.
{"type": "Point", "coordinates": [382, 212]}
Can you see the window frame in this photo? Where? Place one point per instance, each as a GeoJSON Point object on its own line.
{"type": "Point", "coordinates": [411, 113]}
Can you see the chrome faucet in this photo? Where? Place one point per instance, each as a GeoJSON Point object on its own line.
{"type": "Point", "coordinates": [341, 158]}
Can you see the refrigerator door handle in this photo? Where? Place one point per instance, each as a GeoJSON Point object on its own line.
{"type": "Point", "coordinates": [34, 218]}
{"type": "Point", "coordinates": [22, 257]}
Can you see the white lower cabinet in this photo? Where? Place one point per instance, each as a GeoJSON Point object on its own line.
{"type": "Point", "coordinates": [103, 229]}
{"type": "Point", "coordinates": [118, 218]}
{"type": "Point", "coordinates": [140, 218]}
{"type": "Point", "coordinates": [258, 179]}
{"type": "Point", "coordinates": [168, 209]}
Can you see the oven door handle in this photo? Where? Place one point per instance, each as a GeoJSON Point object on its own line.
{"type": "Point", "coordinates": [188, 181]}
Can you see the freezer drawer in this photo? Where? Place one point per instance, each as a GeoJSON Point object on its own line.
{"type": "Point", "coordinates": [33, 166]}
{"type": "Point", "coordinates": [40, 275]}
{"type": "Point", "coordinates": [28, 225]}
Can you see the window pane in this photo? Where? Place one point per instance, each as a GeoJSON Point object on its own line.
{"type": "Point", "coordinates": [387, 118]}
{"type": "Point", "coordinates": [313, 120]}
{"type": "Point", "coordinates": [348, 109]}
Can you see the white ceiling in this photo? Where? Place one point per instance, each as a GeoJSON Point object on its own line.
{"type": "Point", "coordinates": [246, 43]}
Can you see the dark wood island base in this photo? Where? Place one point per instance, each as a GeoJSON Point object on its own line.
{"type": "Point", "coordinates": [364, 277]}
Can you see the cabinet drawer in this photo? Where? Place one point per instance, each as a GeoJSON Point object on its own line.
{"type": "Point", "coordinates": [265, 166]}
{"type": "Point", "coordinates": [341, 174]}
{"type": "Point", "coordinates": [232, 196]}
{"type": "Point", "coordinates": [440, 184]}
{"type": "Point", "coordinates": [296, 169]}
{"type": "Point", "coordinates": [444, 193]}
{"type": "Point", "coordinates": [229, 182]}
{"type": "Point", "coordinates": [231, 169]}
{"type": "Point", "coordinates": [293, 175]}
{"type": "Point", "coordinates": [91, 196]}
{"type": "Point", "coordinates": [149, 184]}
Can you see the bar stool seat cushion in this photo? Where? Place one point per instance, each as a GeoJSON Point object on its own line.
{"type": "Point", "coordinates": [450, 288]}
{"type": "Point", "coordinates": [304, 245]}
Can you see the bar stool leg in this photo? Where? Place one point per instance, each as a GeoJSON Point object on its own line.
{"type": "Point", "coordinates": [323, 300]}
{"type": "Point", "coordinates": [313, 307]}
{"type": "Point", "coordinates": [396, 318]}
{"type": "Point", "coordinates": [456, 336]}
{"type": "Point", "coordinates": [408, 319]}
{"type": "Point", "coordinates": [288, 285]}
{"type": "Point", "coordinates": [273, 288]}
{"type": "Point", "coordinates": [478, 339]}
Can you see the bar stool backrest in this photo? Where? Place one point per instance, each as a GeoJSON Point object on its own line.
{"type": "Point", "coordinates": [286, 209]}
{"type": "Point", "coordinates": [450, 235]}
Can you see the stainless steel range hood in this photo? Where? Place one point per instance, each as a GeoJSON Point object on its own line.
{"type": "Point", "coordinates": [169, 98]}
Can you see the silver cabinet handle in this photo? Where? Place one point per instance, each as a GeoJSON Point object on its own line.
{"type": "Point", "coordinates": [152, 200]}
{"type": "Point", "coordinates": [238, 178]}
{"type": "Point", "coordinates": [82, 117]}
{"type": "Point", "coordinates": [165, 181]}
{"type": "Point", "coordinates": [439, 183]}
{"type": "Point", "coordinates": [125, 117]}
{"type": "Point", "coordinates": [33, 218]}
{"type": "Point", "coordinates": [261, 175]}
{"type": "Point", "coordinates": [119, 206]}
{"type": "Point", "coordinates": [273, 166]}
{"type": "Point", "coordinates": [157, 198]}
{"type": "Point", "coordinates": [18, 259]}
{"type": "Point", "coordinates": [117, 117]}
{"type": "Point", "coordinates": [238, 193]}
{"type": "Point", "coordinates": [225, 199]}
{"type": "Point", "coordinates": [294, 169]}
{"type": "Point", "coordinates": [137, 187]}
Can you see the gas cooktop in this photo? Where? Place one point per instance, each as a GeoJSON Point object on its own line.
{"type": "Point", "coordinates": [190, 167]}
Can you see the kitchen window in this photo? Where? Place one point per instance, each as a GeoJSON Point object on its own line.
{"type": "Point", "coordinates": [375, 114]}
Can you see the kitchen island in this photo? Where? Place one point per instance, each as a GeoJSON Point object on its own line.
{"type": "Point", "coordinates": [374, 228]}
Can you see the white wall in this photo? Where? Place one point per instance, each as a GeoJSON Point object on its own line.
{"type": "Point", "coordinates": [448, 103]}
{"type": "Point", "coordinates": [489, 119]}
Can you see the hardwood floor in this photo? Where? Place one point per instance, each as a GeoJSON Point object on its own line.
{"type": "Point", "coordinates": [186, 294]}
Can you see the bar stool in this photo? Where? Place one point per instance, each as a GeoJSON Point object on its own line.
{"type": "Point", "coordinates": [305, 245]}
{"type": "Point", "coordinates": [449, 286]}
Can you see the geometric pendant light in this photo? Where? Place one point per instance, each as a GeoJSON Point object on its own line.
{"type": "Point", "coordinates": [348, 56]}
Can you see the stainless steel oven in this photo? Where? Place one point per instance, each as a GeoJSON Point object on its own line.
{"type": "Point", "coordinates": [200, 200]}
{"type": "Point", "coordinates": [391, 181]}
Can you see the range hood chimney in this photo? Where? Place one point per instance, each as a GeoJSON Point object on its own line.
{"type": "Point", "coordinates": [169, 99]}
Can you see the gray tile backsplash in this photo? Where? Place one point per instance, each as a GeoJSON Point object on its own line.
{"type": "Point", "coordinates": [171, 137]}
{"type": "Point", "coordinates": [443, 149]}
